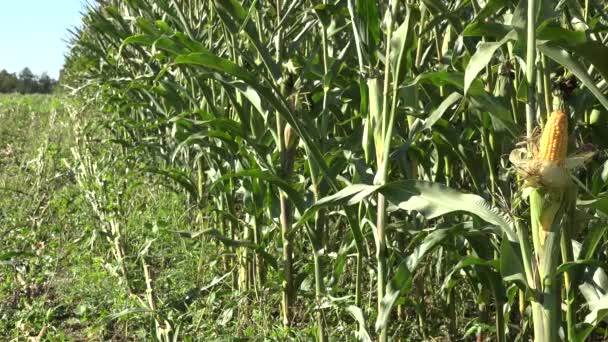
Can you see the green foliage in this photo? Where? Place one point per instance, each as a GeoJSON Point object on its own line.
{"type": "Point", "coordinates": [220, 181]}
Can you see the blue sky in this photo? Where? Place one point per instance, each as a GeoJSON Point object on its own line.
{"type": "Point", "coordinates": [33, 33]}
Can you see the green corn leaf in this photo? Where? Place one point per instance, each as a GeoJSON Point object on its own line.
{"type": "Point", "coordinates": [577, 42]}
{"type": "Point", "coordinates": [236, 18]}
{"type": "Point", "coordinates": [511, 266]}
{"type": "Point", "coordinates": [208, 60]}
{"type": "Point", "coordinates": [599, 312]}
{"type": "Point", "coordinates": [357, 314]}
{"type": "Point", "coordinates": [592, 240]}
{"type": "Point", "coordinates": [600, 204]}
{"type": "Point", "coordinates": [483, 56]}
{"type": "Point", "coordinates": [402, 279]}
{"type": "Point", "coordinates": [293, 195]}
{"type": "Point", "coordinates": [484, 29]}
{"type": "Point", "coordinates": [449, 101]}
{"type": "Point", "coordinates": [430, 199]}
{"type": "Point", "coordinates": [564, 58]}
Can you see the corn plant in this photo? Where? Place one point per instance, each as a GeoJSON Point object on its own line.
{"type": "Point", "coordinates": [361, 145]}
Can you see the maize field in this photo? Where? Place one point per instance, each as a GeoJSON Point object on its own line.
{"type": "Point", "coordinates": [330, 170]}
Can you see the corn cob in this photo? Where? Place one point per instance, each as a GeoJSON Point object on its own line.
{"type": "Point", "coordinates": [554, 140]}
{"type": "Point", "coordinates": [289, 137]}
{"type": "Point", "coordinates": [551, 158]}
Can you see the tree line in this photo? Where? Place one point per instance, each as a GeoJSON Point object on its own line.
{"type": "Point", "coordinates": [26, 82]}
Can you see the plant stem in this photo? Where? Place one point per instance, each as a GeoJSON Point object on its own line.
{"type": "Point", "coordinates": [546, 305]}
{"type": "Point", "coordinates": [356, 232]}
{"type": "Point", "coordinates": [419, 42]}
{"type": "Point", "coordinates": [318, 294]}
{"type": "Point", "coordinates": [381, 256]}
{"type": "Point", "coordinates": [538, 314]}
{"type": "Point", "coordinates": [259, 260]}
{"type": "Point", "coordinates": [530, 72]}
{"type": "Point", "coordinates": [358, 278]}
{"type": "Point", "coordinates": [486, 146]}
{"type": "Point", "coordinates": [568, 256]}
{"type": "Point", "coordinates": [382, 173]}
{"type": "Point", "coordinates": [317, 234]}
{"type": "Point", "coordinates": [316, 239]}
{"type": "Point", "coordinates": [536, 205]}
{"type": "Point", "coordinates": [287, 260]}
{"type": "Point", "coordinates": [287, 296]}
{"type": "Point", "coordinates": [452, 314]}
{"type": "Point", "coordinates": [547, 85]}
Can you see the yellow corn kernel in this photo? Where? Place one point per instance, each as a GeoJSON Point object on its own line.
{"type": "Point", "coordinates": [554, 140]}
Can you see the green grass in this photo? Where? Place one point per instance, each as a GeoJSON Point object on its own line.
{"type": "Point", "coordinates": [55, 269]}
{"type": "Point", "coordinates": [34, 195]}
